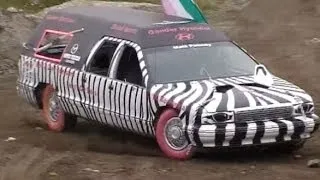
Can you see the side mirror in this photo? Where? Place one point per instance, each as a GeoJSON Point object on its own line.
{"type": "Point", "coordinates": [27, 46]}
{"type": "Point", "coordinates": [263, 76]}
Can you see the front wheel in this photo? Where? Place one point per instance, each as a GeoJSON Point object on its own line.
{"type": "Point", "coordinates": [171, 136]}
{"type": "Point", "coordinates": [56, 119]}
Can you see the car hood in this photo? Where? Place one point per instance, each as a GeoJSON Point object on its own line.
{"type": "Point", "coordinates": [227, 94]}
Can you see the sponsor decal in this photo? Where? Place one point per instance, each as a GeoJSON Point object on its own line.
{"type": "Point", "coordinates": [199, 45]}
{"type": "Point", "coordinates": [70, 61]}
{"type": "Point", "coordinates": [71, 57]}
{"type": "Point", "coordinates": [124, 28]}
{"type": "Point", "coordinates": [191, 46]}
{"type": "Point", "coordinates": [175, 30]}
{"type": "Point", "coordinates": [161, 31]}
{"type": "Point", "coordinates": [184, 36]}
{"type": "Point", "coordinates": [181, 47]}
{"type": "Point", "coordinates": [195, 28]}
{"type": "Point", "coordinates": [74, 48]}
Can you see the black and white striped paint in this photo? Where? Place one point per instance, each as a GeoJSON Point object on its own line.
{"type": "Point", "coordinates": [133, 108]}
{"type": "Point", "coordinates": [124, 107]}
{"type": "Point", "coordinates": [198, 100]}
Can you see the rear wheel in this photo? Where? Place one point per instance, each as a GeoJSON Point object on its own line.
{"type": "Point", "coordinates": [56, 119]}
{"type": "Point", "coordinates": [171, 136]}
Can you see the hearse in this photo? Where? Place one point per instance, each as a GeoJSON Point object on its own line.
{"type": "Point", "coordinates": [182, 82]}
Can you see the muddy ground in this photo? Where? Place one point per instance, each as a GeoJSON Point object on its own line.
{"type": "Point", "coordinates": [284, 35]}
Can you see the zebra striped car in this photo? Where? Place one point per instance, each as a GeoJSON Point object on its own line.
{"type": "Point", "coordinates": [183, 83]}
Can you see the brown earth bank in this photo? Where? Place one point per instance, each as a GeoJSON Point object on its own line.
{"type": "Point", "coordinates": [284, 35]}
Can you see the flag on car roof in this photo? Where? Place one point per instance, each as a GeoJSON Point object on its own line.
{"type": "Point", "coordinates": [184, 8]}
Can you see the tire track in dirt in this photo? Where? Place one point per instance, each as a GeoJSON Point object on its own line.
{"type": "Point", "coordinates": [28, 163]}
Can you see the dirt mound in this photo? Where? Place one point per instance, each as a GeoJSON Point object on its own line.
{"type": "Point", "coordinates": [14, 30]}
{"type": "Point", "coordinates": [285, 36]}
{"type": "Point", "coordinates": [146, 6]}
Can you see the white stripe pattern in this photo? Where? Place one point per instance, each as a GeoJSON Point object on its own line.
{"type": "Point", "coordinates": [133, 108]}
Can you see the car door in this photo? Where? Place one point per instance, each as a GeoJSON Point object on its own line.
{"type": "Point", "coordinates": [95, 84]}
{"type": "Point", "coordinates": [129, 95]}
{"type": "Point", "coordinates": [112, 100]}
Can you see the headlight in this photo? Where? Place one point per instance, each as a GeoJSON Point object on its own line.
{"type": "Point", "coordinates": [222, 116]}
{"type": "Point", "coordinates": [308, 108]}
{"type": "Point", "coordinates": [303, 109]}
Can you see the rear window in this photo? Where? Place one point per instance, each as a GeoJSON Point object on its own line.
{"type": "Point", "coordinates": [53, 44]}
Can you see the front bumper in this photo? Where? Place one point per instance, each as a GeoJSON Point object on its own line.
{"type": "Point", "coordinates": [254, 133]}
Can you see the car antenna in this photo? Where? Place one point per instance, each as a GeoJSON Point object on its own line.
{"type": "Point", "coordinates": [58, 38]}
{"type": "Point", "coordinates": [204, 71]}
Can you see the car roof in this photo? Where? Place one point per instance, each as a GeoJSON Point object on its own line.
{"type": "Point", "coordinates": [143, 27]}
{"type": "Point", "coordinates": [147, 29]}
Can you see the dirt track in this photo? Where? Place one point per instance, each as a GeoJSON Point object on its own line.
{"type": "Point", "coordinates": [281, 34]}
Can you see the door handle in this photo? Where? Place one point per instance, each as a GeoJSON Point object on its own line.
{"type": "Point", "coordinates": [84, 79]}
{"type": "Point", "coordinates": [110, 87]}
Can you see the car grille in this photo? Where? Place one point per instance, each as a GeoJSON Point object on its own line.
{"type": "Point", "coordinates": [264, 114]}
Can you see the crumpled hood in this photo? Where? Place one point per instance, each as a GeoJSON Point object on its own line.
{"type": "Point", "coordinates": [249, 94]}
{"type": "Point", "coordinates": [231, 93]}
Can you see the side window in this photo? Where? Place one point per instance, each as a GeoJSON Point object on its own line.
{"type": "Point", "coordinates": [53, 44]}
{"type": "Point", "coordinates": [100, 63]}
{"type": "Point", "coordinates": [129, 68]}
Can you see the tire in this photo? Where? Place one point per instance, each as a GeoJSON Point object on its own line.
{"type": "Point", "coordinates": [55, 118]}
{"type": "Point", "coordinates": [168, 118]}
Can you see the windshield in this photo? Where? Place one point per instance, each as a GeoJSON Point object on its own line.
{"type": "Point", "coordinates": [187, 62]}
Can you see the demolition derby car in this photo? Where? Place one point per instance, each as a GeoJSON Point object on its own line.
{"type": "Point", "coordinates": [180, 81]}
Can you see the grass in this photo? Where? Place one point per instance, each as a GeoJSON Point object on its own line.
{"type": "Point", "coordinates": [29, 6]}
